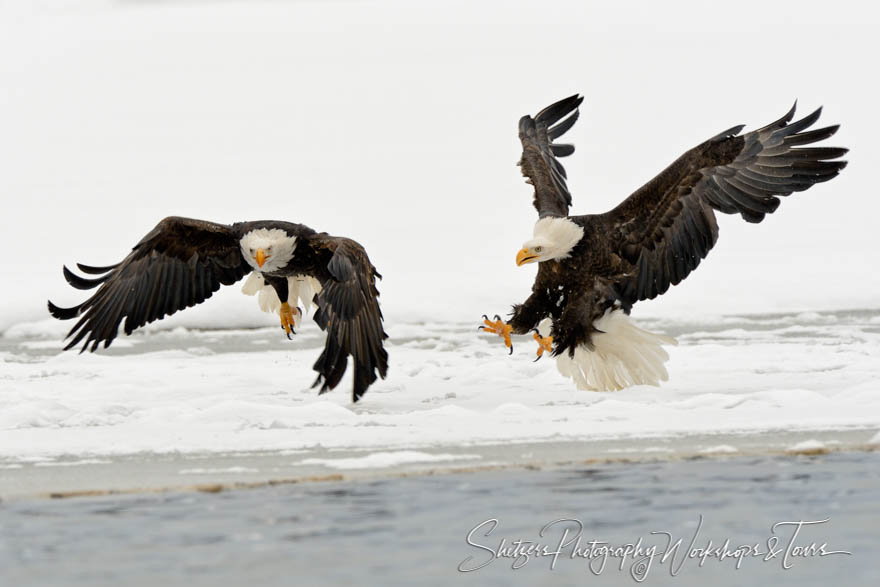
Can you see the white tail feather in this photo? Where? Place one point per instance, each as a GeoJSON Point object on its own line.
{"type": "Point", "coordinates": [623, 355]}
{"type": "Point", "coordinates": [301, 293]}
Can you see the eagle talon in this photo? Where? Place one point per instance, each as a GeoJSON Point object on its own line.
{"type": "Point", "coordinates": [545, 343]}
{"type": "Point", "coordinates": [288, 318]}
{"type": "Point", "coordinates": [500, 328]}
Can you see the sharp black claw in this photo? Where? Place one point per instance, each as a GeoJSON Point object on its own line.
{"type": "Point", "coordinates": [485, 317]}
{"type": "Point", "coordinates": [538, 359]}
{"type": "Point", "coordinates": [480, 327]}
{"type": "Point", "coordinates": [511, 350]}
{"type": "Point", "coordinates": [497, 317]}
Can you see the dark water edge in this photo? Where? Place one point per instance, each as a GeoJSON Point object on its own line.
{"type": "Point", "coordinates": [405, 531]}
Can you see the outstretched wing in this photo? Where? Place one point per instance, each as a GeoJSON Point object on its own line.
{"type": "Point", "coordinates": [539, 161]}
{"type": "Point", "coordinates": [666, 227]}
{"type": "Point", "coordinates": [348, 309]}
{"type": "Point", "coordinates": [179, 264]}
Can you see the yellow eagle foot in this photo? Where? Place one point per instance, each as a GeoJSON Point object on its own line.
{"type": "Point", "coordinates": [498, 327]}
{"type": "Point", "coordinates": [288, 318]}
{"type": "Point", "coordinates": [545, 343]}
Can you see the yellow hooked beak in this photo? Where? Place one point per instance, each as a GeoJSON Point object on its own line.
{"type": "Point", "coordinates": [261, 257]}
{"type": "Point", "coordinates": [524, 256]}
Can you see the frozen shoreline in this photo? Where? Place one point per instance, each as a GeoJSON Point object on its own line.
{"type": "Point", "coordinates": [214, 472]}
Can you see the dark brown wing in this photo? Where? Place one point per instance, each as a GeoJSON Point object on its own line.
{"type": "Point", "coordinates": [539, 157]}
{"type": "Point", "coordinates": [179, 264]}
{"type": "Point", "coordinates": [348, 309]}
{"type": "Point", "coordinates": [668, 225]}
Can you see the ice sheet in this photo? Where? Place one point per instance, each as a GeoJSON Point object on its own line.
{"type": "Point", "coordinates": [448, 385]}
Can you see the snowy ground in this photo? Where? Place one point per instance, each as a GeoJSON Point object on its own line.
{"type": "Point", "coordinates": [183, 392]}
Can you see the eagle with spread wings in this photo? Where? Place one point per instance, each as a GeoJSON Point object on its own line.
{"type": "Point", "coordinates": [183, 261]}
{"type": "Point", "coordinates": [593, 268]}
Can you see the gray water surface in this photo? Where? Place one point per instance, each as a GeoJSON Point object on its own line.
{"type": "Point", "coordinates": [412, 530]}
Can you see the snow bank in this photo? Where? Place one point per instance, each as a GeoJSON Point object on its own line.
{"type": "Point", "coordinates": [448, 386]}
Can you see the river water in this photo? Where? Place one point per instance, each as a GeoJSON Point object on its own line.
{"type": "Point", "coordinates": [414, 529]}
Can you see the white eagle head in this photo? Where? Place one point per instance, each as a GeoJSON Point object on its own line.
{"type": "Point", "coordinates": [554, 238]}
{"type": "Point", "coordinates": [267, 249]}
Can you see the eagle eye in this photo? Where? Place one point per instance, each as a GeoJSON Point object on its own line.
{"type": "Point", "coordinates": [539, 249]}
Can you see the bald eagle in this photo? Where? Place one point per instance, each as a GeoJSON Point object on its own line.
{"type": "Point", "coordinates": [182, 262]}
{"type": "Point", "coordinates": [593, 268]}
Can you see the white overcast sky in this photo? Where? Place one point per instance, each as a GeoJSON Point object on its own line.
{"type": "Point", "coordinates": [395, 123]}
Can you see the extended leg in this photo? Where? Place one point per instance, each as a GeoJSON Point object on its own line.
{"type": "Point", "coordinates": [287, 313]}
{"type": "Point", "coordinates": [288, 318]}
{"type": "Point", "coordinates": [498, 327]}
{"type": "Point", "coordinates": [545, 343]}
